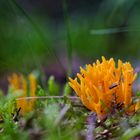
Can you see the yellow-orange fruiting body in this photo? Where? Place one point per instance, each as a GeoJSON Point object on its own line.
{"type": "Point", "coordinates": [99, 84]}
{"type": "Point", "coordinates": [18, 82]}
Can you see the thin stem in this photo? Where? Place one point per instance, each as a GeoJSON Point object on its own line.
{"type": "Point", "coordinates": [69, 41]}
{"type": "Point", "coordinates": [48, 97]}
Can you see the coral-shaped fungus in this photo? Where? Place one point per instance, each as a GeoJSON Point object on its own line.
{"type": "Point", "coordinates": [19, 83]}
{"type": "Point", "coordinates": [102, 84]}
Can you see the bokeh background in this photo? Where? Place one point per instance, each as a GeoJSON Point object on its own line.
{"type": "Point", "coordinates": [55, 37]}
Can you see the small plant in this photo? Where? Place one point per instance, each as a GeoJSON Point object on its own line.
{"type": "Point", "coordinates": [53, 87]}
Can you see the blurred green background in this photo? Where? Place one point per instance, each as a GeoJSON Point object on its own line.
{"type": "Point", "coordinates": [55, 36]}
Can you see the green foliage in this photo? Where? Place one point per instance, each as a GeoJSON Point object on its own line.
{"type": "Point", "coordinates": [138, 94]}
{"type": "Point", "coordinates": [53, 87]}
{"type": "Point", "coordinates": [67, 90]}
{"type": "Point", "coordinates": [40, 91]}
